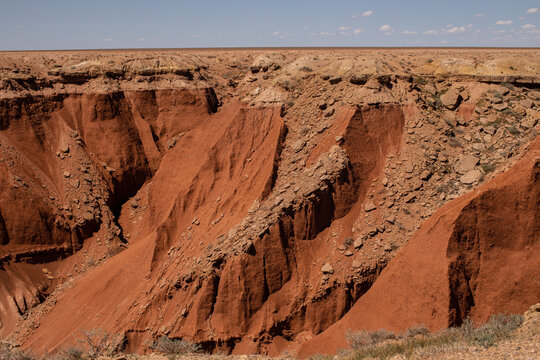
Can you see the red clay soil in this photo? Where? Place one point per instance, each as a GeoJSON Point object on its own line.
{"type": "Point", "coordinates": [249, 201]}
{"type": "Point", "coordinates": [476, 256]}
{"type": "Point", "coordinates": [214, 175]}
{"type": "Point", "coordinates": [207, 174]}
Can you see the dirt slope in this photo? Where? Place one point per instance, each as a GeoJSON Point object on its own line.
{"type": "Point", "coordinates": [247, 200]}
{"type": "Point", "coordinates": [474, 257]}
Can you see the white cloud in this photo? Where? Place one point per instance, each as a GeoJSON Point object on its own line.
{"type": "Point", "coordinates": [498, 32]}
{"type": "Point", "coordinates": [358, 31]}
{"type": "Point", "coordinates": [480, 15]}
{"type": "Point", "coordinates": [530, 29]}
{"type": "Point", "coordinates": [140, 39]}
{"type": "Point", "coordinates": [387, 29]}
{"type": "Point", "coordinates": [407, 32]}
{"type": "Point", "coordinates": [354, 16]}
{"type": "Point", "coordinates": [430, 32]}
{"type": "Point", "coordinates": [367, 13]}
{"type": "Point", "coordinates": [19, 27]}
{"type": "Point", "coordinates": [344, 28]}
{"type": "Point", "coordinates": [504, 22]}
{"type": "Point", "coordinates": [326, 33]}
{"type": "Point", "coordinates": [457, 30]}
{"type": "Point", "coordinates": [107, 39]}
{"type": "Point", "coordinates": [196, 36]}
{"type": "Point", "coordinates": [281, 35]}
{"type": "Point", "coordinates": [532, 11]}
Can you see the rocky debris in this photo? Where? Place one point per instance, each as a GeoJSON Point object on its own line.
{"type": "Point", "coordinates": [526, 103]}
{"type": "Point", "coordinates": [358, 243]}
{"type": "Point", "coordinates": [369, 206]}
{"type": "Point", "coordinates": [329, 112]}
{"type": "Point", "coordinates": [425, 175]}
{"type": "Point", "coordinates": [335, 80]}
{"type": "Point", "coordinates": [471, 177]}
{"type": "Point", "coordinates": [418, 179]}
{"type": "Point", "coordinates": [327, 269]}
{"type": "Point", "coordinates": [500, 107]}
{"type": "Point", "coordinates": [359, 79]}
{"type": "Point", "coordinates": [451, 98]}
{"type": "Point", "coordinates": [172, 142]}
{"type": "Point", "coordinates": [466, 164]}
{"type": "Point", "coordinates": [263, 63]}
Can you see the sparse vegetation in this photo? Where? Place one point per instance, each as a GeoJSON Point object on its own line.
{"type": "Point", "coordinates": [419, 80]}
{"type": "Point", "coordinates": [381, 345]}
{"type": "Point", "coordinates": [454, 142]}
{"type": "Point", "coordinates": [8, 351]}
{"type": "Point", "coordinates": [71, 353]}
{"type": "Point", "coordinates": [99, 342]}
{"type": "Point", "coordinates": [361, 339]}
{"type": "Point", "coordinates": [169, 346]}
{"type": "Point", "coordinates": [306, 69]}
{"type": "Point", "coordinates": [489, 167]}
{"type": "Point", "coordinates": [512, 129]}
{"type": "Point", "coordinates": [436, 102]}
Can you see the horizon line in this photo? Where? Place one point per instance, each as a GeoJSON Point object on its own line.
{"type": "Point", "coordinates": [239, 48]}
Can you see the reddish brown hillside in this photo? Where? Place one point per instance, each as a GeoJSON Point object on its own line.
{"type": "Point", "coordinates": [248, 200]}
{"type": "Point", "coordinates": [476, 256]}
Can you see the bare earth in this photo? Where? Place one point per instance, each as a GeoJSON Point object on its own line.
{"type": "Point", "coordinates": [267, 201]}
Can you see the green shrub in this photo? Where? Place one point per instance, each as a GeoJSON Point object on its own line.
{"type": "Point", "coordinates": [489, 167]}
{"type": "Point", "coordinates": [419, 80]}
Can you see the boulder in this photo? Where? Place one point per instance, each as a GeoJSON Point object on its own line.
{"type": "Point", "coordinates": [466, 164]}
{"type": "Point", "coordinates": [471, 177]}
{"type": "Point", "coordinates": [359, 79]}
{"type": "Point", "coordinates": [327, 269]}
{"type": "Point", "coordinates": [335, 80]}
{"type": "Point", "coordinates": [451, 98]}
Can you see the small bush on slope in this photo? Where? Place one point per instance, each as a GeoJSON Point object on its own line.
{"type": "Point", "coordinates": [9, 352]}
{"type": "Point", "coordinates": [373, 345]}
{"type": "Point", "coordinates": [168, 346]}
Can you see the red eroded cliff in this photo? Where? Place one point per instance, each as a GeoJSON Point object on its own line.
{"type": "Point", "coordinates": [474, 257]}
{"type": "Point", "coordinates": [250, 202]}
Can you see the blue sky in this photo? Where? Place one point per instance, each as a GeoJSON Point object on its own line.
{"type": "Point", "coordinates": [78, 24]}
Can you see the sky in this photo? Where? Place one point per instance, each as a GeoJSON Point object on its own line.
{"type": "Point", "coordinates": [99, 24]}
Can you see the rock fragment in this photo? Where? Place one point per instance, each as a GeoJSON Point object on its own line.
{"type": "Point", "coordinates": [451, 98]}
{"type": "Point", "coordinates": [466, 164]}
{"type": "Point", "coordinates": [327, 269]}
